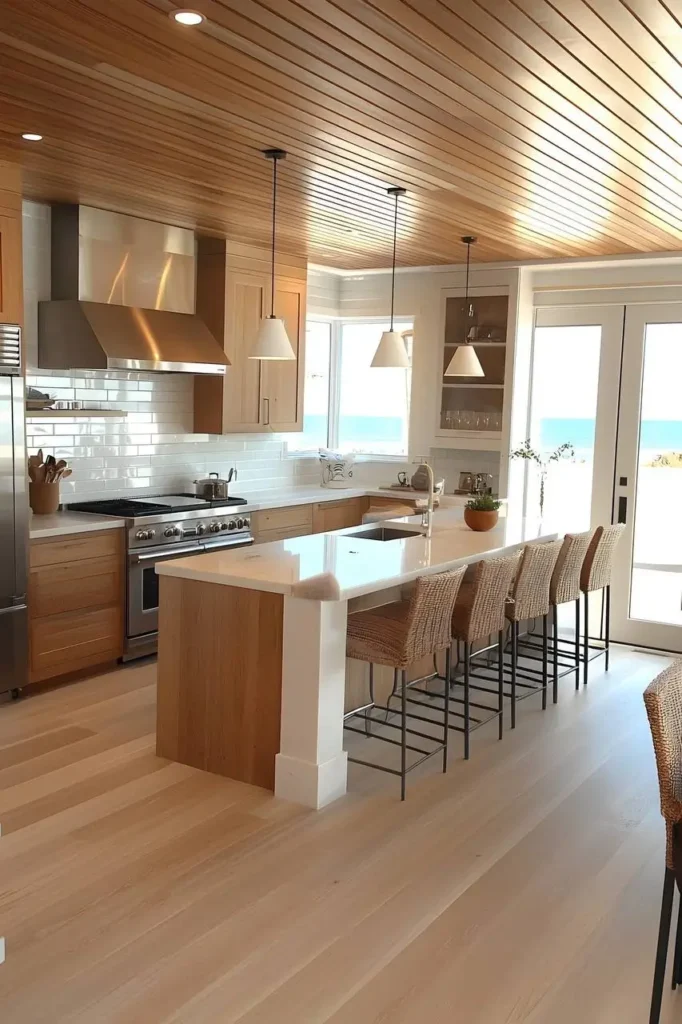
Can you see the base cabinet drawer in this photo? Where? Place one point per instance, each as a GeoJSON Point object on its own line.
{"type": "Point", "coordinates": [338, 515]}
{"type": "Point", "coordinates": [73, 548]}
{"type": "Point", "coordinates": [279, 523]}
{"type": "Point", "coordinates": [87, 584]}
{"type": "Point", "coordinates": [285, 534]}
{"type": "Point", "coordinates": [68, 641]}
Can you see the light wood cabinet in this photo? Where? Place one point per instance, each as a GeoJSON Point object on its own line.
{"type": "Point", "coordinates": [338, 515]}
{"type": "Point", "coordinates": [282, 523]}
{"type": "Point", "coordinates": [76, 603]}
{"type": "Point", "coordinates": [233, 295]}
{"type": "Point", "coordinates": [11, 274]}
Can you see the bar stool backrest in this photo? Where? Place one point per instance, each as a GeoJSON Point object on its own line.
{"type": "Point", "coordinates": [663, 700]}
{"type": "Point", "coordinates": [598, 565]}
{"type": "Point", "coordinates": [430, 615]}
{"type": "Point", "coordinates": [489, 592]}
{"type": "Point", "coordinates": [565, 582]}
{"type": "Point", "coordinates": [530, 591]}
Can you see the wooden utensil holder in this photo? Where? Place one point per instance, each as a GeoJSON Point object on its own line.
{"type": "Point", "coordinates": [43, 498]}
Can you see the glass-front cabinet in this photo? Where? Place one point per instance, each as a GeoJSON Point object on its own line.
{"type": "Point", "coordinates": [472, 408]}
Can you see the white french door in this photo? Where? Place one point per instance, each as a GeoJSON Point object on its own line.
{"type": "Point", "coordinates": [574, 399]}
{"type": "Point", "coordinates": [646, 596]}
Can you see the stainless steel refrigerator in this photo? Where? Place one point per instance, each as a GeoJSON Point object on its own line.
{"type": "Point", "coordinates": [13, 515]}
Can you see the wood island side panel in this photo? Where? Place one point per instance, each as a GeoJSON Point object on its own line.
{"type": "Point", "coordinates": [220, 679]}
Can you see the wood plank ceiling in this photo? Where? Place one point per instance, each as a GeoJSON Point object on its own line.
{"type": "Point", "coordinates": [545, 128]}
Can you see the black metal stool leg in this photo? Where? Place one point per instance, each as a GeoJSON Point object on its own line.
{"type": "Point", "coordinates": [368, 720]}
{"type": "Point", "coordinates": [577, 643]}
{"type": "Point", "coordinates": [446, 708]}
{"type": "Point", "coordinates": [500, 683]}
{"type": "Point", "coordinates": [607, 628]}
{"type": "Point", "coordinates": [403, 728]}
{"type": "Point", "coordinates": [555, 658]}
{"type": "Point", "coordinates": [467, 716]}
{"type": "Point", "coordinates": [677, 957]}
{"type": "Point", "coordinates": [513, 679]}
{"type": "Point", "coordinates": [662, 946]}
{"type": "Point", "coordinates": [544, 662]}
{"type": "Point", "coordinates": [586, 642]}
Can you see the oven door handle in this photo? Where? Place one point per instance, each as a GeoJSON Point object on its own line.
{"type": "Point", "coordinates": [159, 555]}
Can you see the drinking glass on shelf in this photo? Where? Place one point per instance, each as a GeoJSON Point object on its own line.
{"type": "Point", "coordinates": [484, 421]}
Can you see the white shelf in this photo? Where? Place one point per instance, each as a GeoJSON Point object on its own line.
{"type": "Point", "coordinates": [32, 414]}
{"type": "Point", "coordinates": [479, 442]}
{"type": "Point", "coordinates": [478, 387]}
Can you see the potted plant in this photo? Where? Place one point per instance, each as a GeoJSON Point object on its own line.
{"type": "Point", "coordinates": [526, 451]}
{"type": "Point", "coordinates": [482, 512]}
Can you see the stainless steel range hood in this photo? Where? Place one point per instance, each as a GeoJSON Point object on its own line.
{"type": "Point", "coordinates": [123, 297]}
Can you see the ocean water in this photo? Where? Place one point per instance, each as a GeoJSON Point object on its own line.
{"type": "Point", "coordinates": [662, 435]}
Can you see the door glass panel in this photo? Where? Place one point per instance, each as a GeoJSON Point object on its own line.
{"type": "Point", "coordinates": [656, 591]}
{"type": "Point", "coordinates": [565, 384]}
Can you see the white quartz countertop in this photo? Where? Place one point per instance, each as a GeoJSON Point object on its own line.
{"type": "Point", "coordinates": [61, 523]}
{"type": "Point", "coordinates": [342, 565]}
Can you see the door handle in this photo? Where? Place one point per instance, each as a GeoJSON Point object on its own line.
{"type": "Point", "coordinates": [266, 412]}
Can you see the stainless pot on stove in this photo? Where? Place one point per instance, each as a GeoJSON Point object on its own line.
{"type": "Point", "coordinates": [213, 487]}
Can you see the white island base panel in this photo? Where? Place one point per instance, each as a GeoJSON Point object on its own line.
{"type": "Point", "coordinates": [312, 766]}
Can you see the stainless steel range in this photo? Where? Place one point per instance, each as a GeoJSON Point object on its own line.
{"type": "Point", "coordinates": [162, 527]}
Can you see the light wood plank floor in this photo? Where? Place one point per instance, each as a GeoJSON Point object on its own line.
{"type": "Point", "coordinates": [523, 886]}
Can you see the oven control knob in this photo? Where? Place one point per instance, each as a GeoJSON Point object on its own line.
{"type": "Point", "coordinates": [201, 528]}
{"type": "Point", "coordinates": [170, 531]}
{"type": "Point", "coordinates": [141, 535]}
{"type": "Point", "coordinates": [151, 534]}
{"type": "Point", "coordinates": [240, 524]}
{"type": "Point", "coordinates": [223, 526]}
{"type": "Point", "coordinates": [214, 527]}
{"type": "Point", "coordinates": [231, 525]}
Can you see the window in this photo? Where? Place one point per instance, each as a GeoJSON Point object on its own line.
{"type": "Point", "coordinates": [347, 404]}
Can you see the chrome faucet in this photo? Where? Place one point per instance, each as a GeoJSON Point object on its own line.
{"type": "Point", "coordinates": [427, 513]}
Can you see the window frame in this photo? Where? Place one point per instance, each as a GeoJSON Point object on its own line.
{"type": "Point", "coordinates": [334, 398]}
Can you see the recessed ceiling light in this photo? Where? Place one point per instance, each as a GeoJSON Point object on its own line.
{"type": "Point", "coordinates": [31, 137]}
{"type": "Point", "coordinates": [187, 17]}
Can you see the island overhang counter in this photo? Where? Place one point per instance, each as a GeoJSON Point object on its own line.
{"type": "Point", "coordinates": [252, 645]}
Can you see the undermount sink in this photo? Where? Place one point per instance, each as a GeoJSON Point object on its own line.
{"type": "Point", "coordinates": [384, 533]}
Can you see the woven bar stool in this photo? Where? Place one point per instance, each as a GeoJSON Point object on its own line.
{"type": "Point", "coordinates": [529, 599]}
{"type": "Point", "coordinates": [479, 613]}
{"type": "Point", "coordinates": [596, 575]}
{"type": "Point", "coordinates": [398, 635]}
{"type": "Point", "coordinates": [663, 700]}
{"type": "Point", "coordinates": [564, 587]}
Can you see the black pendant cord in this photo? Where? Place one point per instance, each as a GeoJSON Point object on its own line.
{"type": "Point", "coordinates": [468, 241]}
{"type": "Point", "coordinates": [274, 222]}
{"type": "Point", "coordinates": [395, 236]}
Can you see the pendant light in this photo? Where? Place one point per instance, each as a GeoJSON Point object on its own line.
{"type": "Point", "coordinates": [465, 362]}
{"type": "Point", "coordinates": [391, 350]}
{"type": "Point", "coordinates": [272, 341]}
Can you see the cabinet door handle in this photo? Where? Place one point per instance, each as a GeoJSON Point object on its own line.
{"type": "Point", "coordinates": [266, 412]}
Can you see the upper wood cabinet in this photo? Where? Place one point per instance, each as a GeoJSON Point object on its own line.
{"type": "Point", "coordinates": [11, 276]}
{"type": "Point", "coordinates": [233, 295]}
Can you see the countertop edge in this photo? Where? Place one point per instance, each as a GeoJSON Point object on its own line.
{"type": "Point", "coordinates": [68, 524]}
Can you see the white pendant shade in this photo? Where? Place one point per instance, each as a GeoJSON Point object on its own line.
{"type": "Point", "coordinates": [272, 341]}
{"type": "Point", "coordinates": [465, 363]}
{"type": "Point", "coordinates": [391, 351]}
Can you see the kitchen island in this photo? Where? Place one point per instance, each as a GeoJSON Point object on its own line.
{"type": "Point", "coordinates": [252, 645]}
